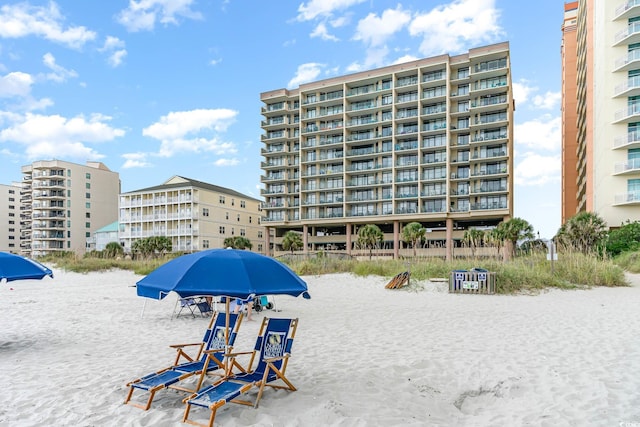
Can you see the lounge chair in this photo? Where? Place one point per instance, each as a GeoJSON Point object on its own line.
{"type": "Point", "coordinates": [209, 358]}
{"type": "Point", "coordinates": [272, 351]}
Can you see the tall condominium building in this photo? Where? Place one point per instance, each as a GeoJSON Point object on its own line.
{"type": "Point", "coordinates": [195, 215]}
{"type": "Point", "coordinates": [62, 203]}
{"type": "Point", "coordinates": [569, 112]}
{"type": "Point", "coordinates": [10, 218]}
{"type": "Point", "coordinates": [428, 141]}
{"type": "Point", "coordinates": [607, 78]}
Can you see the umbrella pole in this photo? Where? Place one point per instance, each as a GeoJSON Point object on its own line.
{"type": "Point", "coordinates": [226, 336]}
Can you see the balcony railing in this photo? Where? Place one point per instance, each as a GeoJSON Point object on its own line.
{"type": "Point", "coordinates": [629, 166]}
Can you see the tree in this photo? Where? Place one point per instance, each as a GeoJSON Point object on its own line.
{"type": "Point", "coordinates": [237, 242]}
{"type": "Point", "coordinates": [369, 236]}
{"type": "Point", "coordinates": [513, 230]}
{"type": "Point", "coordinates": [495, 237]}
{"type": "Point", "coordinates": [626, 238]}
{"type": "Point", "coordinates": [413, 233]}
{"type": "Point", "coordinates": [585, 232]}
{"type": "Point", "coordinates": [149, 246]}
{"type": "Point", "coordinates": [113, 249]}
{"type": "Point", "coordinates": [474, 238]}
{"type": "Point", "coordinates": [292, 241]}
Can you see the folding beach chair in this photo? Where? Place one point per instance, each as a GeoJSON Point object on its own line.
{"type": "Point", "coordinates": [209, 359]}
{"type": "Point", "coordinates": [193, 305]}
{"type": "Point", "coordinates": [272, 351]}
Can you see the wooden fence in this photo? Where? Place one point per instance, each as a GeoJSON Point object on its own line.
{"type": "Point", "coordinates": [472, 282]}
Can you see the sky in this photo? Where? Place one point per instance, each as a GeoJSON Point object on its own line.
{"type": "Point", "coordinates": [157, 88]}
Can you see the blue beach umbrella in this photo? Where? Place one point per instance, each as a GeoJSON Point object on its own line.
{"type": "Point", "coordinates": [17, 267]}
{"type": "Point", "coordinates": [222, 272]}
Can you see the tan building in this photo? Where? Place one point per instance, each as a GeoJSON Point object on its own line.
{"type": "Point", "coordinates": [428, 141]}
{"type": "Point", "coordinates": [10, 218]}
{"type": "Point", "coordinates": [569, 112]}
{"type": "Point", "coordinates": [195, 215]}
{"type": "Point", "coordinates": [62, 203]}
{"type": "Point", "coordinates": [607, 162]}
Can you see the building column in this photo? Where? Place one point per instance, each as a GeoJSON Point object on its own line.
{"type": "Point", "coordinates": [305, 238]}
{"type": "Point", "coordinates": [396, 239]}
{"type": "Point", "coordinates": [267, 241]}
{"type": "Point", "coordinates": [449, 242]}
{"type": "Point", "coordinates": [348, 233]}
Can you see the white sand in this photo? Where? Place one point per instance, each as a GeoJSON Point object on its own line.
{"type": "Point", "coordinates": [363, 356]}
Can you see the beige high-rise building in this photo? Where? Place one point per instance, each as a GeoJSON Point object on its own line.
{"type": "Point", "coordinates": [62, 203]}
{"type": "Point", "coordinates": [427, 141]}
{"type": "Point", "coordinates": [607, 162]}
{"type": "Point", "coordinates": [195, 215]}
{"type": "Point", "coordinates": [10, 218]}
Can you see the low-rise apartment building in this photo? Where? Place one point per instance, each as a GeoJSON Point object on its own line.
{"type": "Point", "coordinates": [195, 215]}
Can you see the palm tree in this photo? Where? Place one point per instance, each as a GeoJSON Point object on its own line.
{"type": "Point", "coordinates": [495, 237]}
{"type": "Point", "coordinates": [113, 249]}
{"type": "Point", "coordinates": [292, 241]}
{"type": "Point", "coordinates": [584, 232]}
{"type": "Point", "coordinates": [473, 237]}
{"type": "Point", "coordinates": [513, 230]}
{"type": "Point", "coordinates": [369, 236]}
{"type": "Point", "coordinates": [413, 233]}
{"type": "Point", "coordinates": [237, 242]}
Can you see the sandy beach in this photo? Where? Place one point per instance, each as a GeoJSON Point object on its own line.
{"type": "Point", "coordinates": [363, 355]}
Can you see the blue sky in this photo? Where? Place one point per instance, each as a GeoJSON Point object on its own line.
{"type": "Point", "coordinates": [156, 88]}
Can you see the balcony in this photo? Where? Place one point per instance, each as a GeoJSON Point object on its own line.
{"type": "Point", "coordinates": [627, 168]}
{"type": "Point", "coordinates": [630, 88]}
{"type": "Point", "coordinates": [628, 62]}
{"type": "Point", "coordinates": [632, 198]}
{"type": "Point", "coordinates": [488, 206]}
{"type": "Point", "coordinates": [630, 140]}
{"type": "Point", "coordinates": [627, 10]}
{"type": "Point", "coordinates": [629, 35]}
{"type": "Point", "coordinates": [628, 115]}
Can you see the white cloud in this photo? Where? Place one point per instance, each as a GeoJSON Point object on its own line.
{"type": "Point", "coordinates": [405, 58]}
{"type": "Point", "coordinates": [59, 74]}
{"type": "Point", "coordinates": [374, 31]}
{"type": "Point", "coordinates": [306, 73]}
{"type": "Point", "coordinates": [15, 84]}
{"type": "Point", "coordinates": [543, 133]}
{"type": "Point", "coordinates": [116, 58]}
{"type": "Point", "coordinates": [112, 43]}
{"type": "Point", "coordinates": [22, 20]}
{"type": "Point", "coordinates": [115, 48]}
{"type": "Point", "coordinates": [174, 128]}
{"type": "Point", "coordinates": [48, 136]}
{"type": "Point", "coordinates": [226, 162]}
{"type": "Point", "coordinates": [456, 26]}
{"type": "Point", "coordinates": [142, 15]}
{"type": "Point", "coordinates": [135, 160]}
{"type": "Point", "coordinates": [321, 32]}
{"type": "Point", "coordinates": [548, 101]}
{"type": "Point", "coordinates": [521, 91]}
{"type": "Point", "coordinates": [215, 61]}
{"type": "Point", "coordinates": [323, 8]}
{"type": "Point", "coordinates": [534, 169]}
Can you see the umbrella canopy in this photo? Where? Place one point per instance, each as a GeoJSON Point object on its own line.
{"type": "Point", "coordinates": [222, 272]}
{"type": "Point", "coordinates": [17, 267]}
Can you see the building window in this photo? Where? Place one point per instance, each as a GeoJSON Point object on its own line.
{"type": "Point", "coordinates": [238, 217]}
{"type": "Point", "coordinates": [88, 195]}
{"type": "Point", "coordinates": [260, 248]}
{"type": "Point", "coordinates": [233, 202]}
{"type": "Point", "coordinates": [243, 204]}
{"type": "Point", "coordinates": [87, 215]}
{"type": "Point", "coordinates": [243, 232]}
{"type": "Point", "coordinates": [205, 211]}
{"type": "Point", "coordinates": [12, 214]}
{"type": "Point", "coordinates": [68, 172]}
{"type": "Point", "coordinates": [12, 222]}
{"type": "Point", "coordinates": [69, 203]}
{"type": "Point", "coordinates": [249, 220]}
{"type": "Point", "coordinates": [87, 175]}
{"type": "Point", "coordinates": [68, 193]}
{"type": "Point", "coordinates": [12, 192]}
{"type": "Point", "coordinates": [11, 199]}
{"type": "Point", "coordinates": [11, 237]}
{"type": "Point", "coordinates": [12, 207]}
{"type": "Point", "coordinates": [87, 225]}
{"type": "Point", "coordinates": [233, 231]}
{"type": "Point", "coordinates": [259, 234]}
{"type": "Point", "coordinates": [226, 215]}
{"type": "Point", "coordinates": [221, 230]}
{"type": "Point", "coordinates": [205, 244]}
{"type": "Point", "coordinates": [88, 205]}
{"type": "Point", "coordinates": [222, 200]}
{"type": "Point", "coordinates": [87, 234]}
{"type": "Point", "coordinates": [88, 185]}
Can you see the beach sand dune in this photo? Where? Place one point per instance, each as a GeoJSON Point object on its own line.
{"type": "Point", "coordinates": [363, 355]}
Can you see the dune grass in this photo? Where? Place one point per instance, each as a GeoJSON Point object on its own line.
{"type": "Point", "coordinates": [524, 274]}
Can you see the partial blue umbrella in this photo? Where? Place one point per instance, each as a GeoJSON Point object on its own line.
{"type": "Point", "coordinates": [17, 267]}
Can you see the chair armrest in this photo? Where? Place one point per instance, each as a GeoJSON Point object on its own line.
{"type": "Point", "coordinates": [237, 354]}
{"type": "Point", "coordinates": [274, 359]}
{"type": "Point", "coordinates": [184, 345]}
